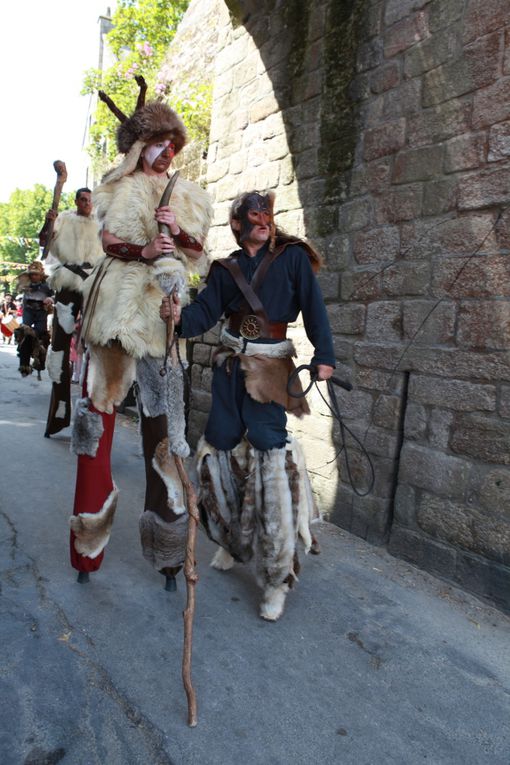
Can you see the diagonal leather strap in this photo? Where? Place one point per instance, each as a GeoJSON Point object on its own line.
{"type": "Point", "coordinates": [247, 289]}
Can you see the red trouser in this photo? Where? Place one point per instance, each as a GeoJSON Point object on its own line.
{"type": "Point", "coordinates": [94, 485]}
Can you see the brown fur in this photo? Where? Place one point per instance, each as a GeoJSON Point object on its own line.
{"type": "Point", "coordinates": [92, 531]}
{"type": "Point", "coordinates": [152, 121]}
{"type": "Point", "coordinates": [266, 380]}
{"type": "Point", "coordinates": [164, 465]}
{"type": "Point", "coordinates": [163, 544]}
{"type": "Point", "coordinates": [111, 373]}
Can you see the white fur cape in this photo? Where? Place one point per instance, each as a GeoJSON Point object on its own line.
{"type": "Point", "coordinates": [76, 240]}
{"type": "Point", "coordinates": [129, 297]}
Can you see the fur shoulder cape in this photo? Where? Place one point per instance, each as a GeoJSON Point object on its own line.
{"type": "Point", "coordinates": [129, 297]}
{"type": "Point", "coordinates": [140, 192]}
{"type": "Point", "coordinates": [76, 241]}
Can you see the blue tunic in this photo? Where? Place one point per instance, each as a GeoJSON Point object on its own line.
{"type": "Point", "coordinates": [289, 287]}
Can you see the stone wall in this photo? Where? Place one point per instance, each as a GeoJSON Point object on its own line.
{"type": "Point", "coordinates": [384, 128]}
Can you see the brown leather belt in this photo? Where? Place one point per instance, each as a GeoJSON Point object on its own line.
{"type": "Point", "coordinates": [254, 327]}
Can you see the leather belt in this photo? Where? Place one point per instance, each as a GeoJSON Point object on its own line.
{"type": "Point", "coordinates": [254, 327]}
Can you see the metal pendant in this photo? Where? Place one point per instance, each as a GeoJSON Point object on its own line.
{"type": "Point", "coordinates": [250, 328]}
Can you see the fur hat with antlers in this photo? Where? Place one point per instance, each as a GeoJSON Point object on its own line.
{"type": "Point", "coordinates": [149, 122]}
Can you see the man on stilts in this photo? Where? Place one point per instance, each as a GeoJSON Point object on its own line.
{"type": "Point", "coordinates": [255, 494]}
{"type": "Point", "coordinates": [74, 249]}
{"type": "Point", "coordinates": [126, 339]}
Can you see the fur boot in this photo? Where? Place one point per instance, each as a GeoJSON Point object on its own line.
{"type": "Point", "coordinates": [222, 560]}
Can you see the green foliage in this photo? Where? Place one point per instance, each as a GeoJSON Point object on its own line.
{"type": "Point", "coordinates": [139, 40]}
{"type": "Point", "coordinates": [21, 219]}
{"type": "Point", "coordinates": [194, 279]}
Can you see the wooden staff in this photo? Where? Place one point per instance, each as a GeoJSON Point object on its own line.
{"type": "Point", "coordinates": [61, 171]}
{"type": "Point", "coordinates": [193, 517]}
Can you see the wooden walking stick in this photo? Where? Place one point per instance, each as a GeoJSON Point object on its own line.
{"type": "Point", "coordinates": [191, 506]}
{"type": "Point", "coordinates": [61, 171]}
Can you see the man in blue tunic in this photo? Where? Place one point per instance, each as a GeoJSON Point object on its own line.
{"type": "Point", "coordinates": [255, 495]}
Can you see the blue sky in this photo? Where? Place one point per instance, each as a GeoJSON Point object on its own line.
{"type": "Point", "coordinates": [45, 49]}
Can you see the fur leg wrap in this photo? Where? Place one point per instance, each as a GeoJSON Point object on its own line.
{"type": "Point", "coordinates": [307, 510]}
{"type": "Point", "coordinates": [222, 480]}
{"type": "Point", "coordinates": [54, 361]}
{"type": "Point", "coordinates": [163, 544]}
{"type": "Point", "coordinates": [276, 498]}
{"type": "Point", "coordinates": [92, 530]}
{"type": "Point", "coordinates": [258, 503]}
{"type": "Point", "coordinates": [164, 394]}
{"type": "Point", "coordinates": [87, 429]}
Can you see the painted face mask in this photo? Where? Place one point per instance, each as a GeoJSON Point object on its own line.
{"type": "Point", "coordinates": [255, 210]}
{"type": "Point", "coordinates": [153, 151]}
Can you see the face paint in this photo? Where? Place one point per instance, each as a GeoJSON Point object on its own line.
{"type": "Point", "coordinates": [254, 211]}
{"type": "Point", "coordinates": [152, 152]}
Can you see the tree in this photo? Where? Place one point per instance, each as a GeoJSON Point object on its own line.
{"type": "Point", "coordinates": [142, 31]}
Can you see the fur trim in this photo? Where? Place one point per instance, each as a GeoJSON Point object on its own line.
{"type": "Point", "coordinates": [164, 465]}
{"type": "Point", "coordinates": [164, 394]}
{"type": "Point", "coordinates": [54, 361]}
{"type": "Point", "coordinates": [128, 301]}
{"type": "Point", "coordinates": [65, 317]}
{"type": "Point", "coordinates": [284, 349]}
{"type": "Point", "coordinates": [92, 530]}
{"type": "Point", "coordinates": [163, 544]}
{"type": "Point", "coordinates": [76, 239]}
{"type": "Point", "coordinates": [111, 373]}
{"type": "Point", "coordinates": [87, 429]}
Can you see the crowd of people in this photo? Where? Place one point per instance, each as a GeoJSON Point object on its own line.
{"type": "Point", "coordinates": [120, 277]}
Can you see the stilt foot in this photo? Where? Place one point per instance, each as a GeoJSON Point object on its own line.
{"type": "Point", "coordinates": [170, 583]}
{"type": "Point", "coordinates": [83, 577]}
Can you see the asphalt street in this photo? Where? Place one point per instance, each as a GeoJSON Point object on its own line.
{"type": "Point", "coordinates": [373, 662]}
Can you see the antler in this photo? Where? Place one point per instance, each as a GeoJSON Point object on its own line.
{"type": "Point", "coordinates": [111, 106]}
{"type": "Point", "coordinates": [140, 81]}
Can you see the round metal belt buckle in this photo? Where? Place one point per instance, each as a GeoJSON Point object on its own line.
{"type": "Point", "coordinates": [250, 328]}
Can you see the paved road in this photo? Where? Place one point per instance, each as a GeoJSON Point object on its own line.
{"type": "Point", "coordinates": [374, 662]}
